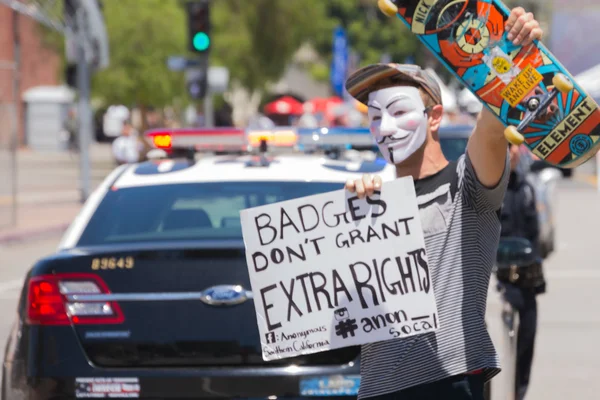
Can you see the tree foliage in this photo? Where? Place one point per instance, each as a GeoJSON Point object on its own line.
{"type": "Point", "coordinates": [257, 39]}
{"type": "Point", "coordinates": [370, 33]}
{"type": "Point", "coordinates": [142, 34]}
{"type": "Point", "coordinates": [254, 39]}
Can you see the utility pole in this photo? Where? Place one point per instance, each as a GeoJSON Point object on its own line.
{"type": "Point", "coordinates": [14, 142]}
{"type": "Point", "coordinates": [84, 111]}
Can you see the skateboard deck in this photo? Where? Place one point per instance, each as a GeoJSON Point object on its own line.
{"type": "Point", "coordinates": [527, 88]}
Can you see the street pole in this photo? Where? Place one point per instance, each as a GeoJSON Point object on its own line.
{"type": "Point", "coordinates": [209, 113]}
{"type": "Point", "coordinates": [85, 120]}
{"type": "Point", "coordinates": [14, 142]}
{"type": "Point", "coordinates": [209, 109]}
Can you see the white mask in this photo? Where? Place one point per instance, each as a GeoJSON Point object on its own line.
{"type": "Point", "coordinates": [398, 121]}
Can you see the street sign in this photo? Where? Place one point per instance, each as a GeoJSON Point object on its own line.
{"type": "Point", "coordinates": [218, 79]}
{"type": "Point", "coordinates": [199, 81]}
{"type": "Point", "coordinates": [339, 63]}
{"type": "Point", "coordinates": [196, 81]}
{"type": "Point", "coordinates": [180, 63]}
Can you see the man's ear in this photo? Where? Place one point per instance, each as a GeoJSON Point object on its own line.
{"type": "Point", "coordinates": [435, 117]}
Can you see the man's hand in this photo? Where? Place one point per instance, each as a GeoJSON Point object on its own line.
{"type": "Point", "coordinates": [487, 146]}
{"type": "Point", "coordinates": [522, 27]}
{"type": "Point", "coordinates": [365, 186]}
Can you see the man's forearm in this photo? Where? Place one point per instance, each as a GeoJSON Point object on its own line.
{"type": "Point", "coordinates": [487, 149]}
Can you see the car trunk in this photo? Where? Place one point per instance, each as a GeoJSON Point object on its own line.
{"type": "Point", "coordinates": [164, 321]}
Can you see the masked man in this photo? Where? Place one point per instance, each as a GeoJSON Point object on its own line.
{"type": "Point", "coordinates": [460, 206]}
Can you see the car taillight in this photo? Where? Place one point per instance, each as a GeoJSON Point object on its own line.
{"type": "Point", "coordinates": [48, 301]}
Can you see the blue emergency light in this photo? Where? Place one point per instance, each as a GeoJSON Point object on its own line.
{"type": "Point", "coordinates": [335, 137]}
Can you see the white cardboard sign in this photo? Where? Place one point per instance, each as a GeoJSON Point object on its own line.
{"type": "Point", "coordinates": [332, 270]}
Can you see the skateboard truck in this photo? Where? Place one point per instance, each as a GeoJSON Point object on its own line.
{"type": "Point", "coordinates": [537, 105]}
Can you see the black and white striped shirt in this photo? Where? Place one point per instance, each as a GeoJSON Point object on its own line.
{"type": "Point", "coordinates": [460, 219]}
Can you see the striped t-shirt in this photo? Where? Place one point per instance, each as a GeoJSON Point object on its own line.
{"type": "Point", "coordinates": [460, 219]}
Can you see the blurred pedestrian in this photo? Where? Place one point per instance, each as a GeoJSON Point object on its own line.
{"type": "Point", "coordinates": [113, 120]}
{"type": "Point", "coordinates": [71, 130]}
{"type": "Point", "coordinates": [128, 147]}
{"type": "Point", "coordinates": [519, 218]}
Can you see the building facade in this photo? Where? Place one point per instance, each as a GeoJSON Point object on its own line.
{"type": "Point", "coordinates": [39, 66]}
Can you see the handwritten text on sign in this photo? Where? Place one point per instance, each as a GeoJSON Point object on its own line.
{"type": "Point", "coordinates": [332, 270]}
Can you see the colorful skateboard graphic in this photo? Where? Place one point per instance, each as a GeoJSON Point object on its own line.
{"type": "Point", "coordinates": [533, 95]}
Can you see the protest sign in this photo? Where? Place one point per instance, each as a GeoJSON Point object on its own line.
{"type": "Point", "coordinates": [332, 270]}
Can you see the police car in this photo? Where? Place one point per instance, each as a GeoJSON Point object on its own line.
{"type": "Point", "coordinates": [148, 295]}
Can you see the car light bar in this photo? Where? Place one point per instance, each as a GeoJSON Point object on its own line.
{"type": "Point", "coordinates": [276, 137]}
{"type": "Point", "coordinates": [245, 140]}
{"type": "Point", "coordinates": [213, 139]}
{"type": "Point", "coordinates": [335, 137]}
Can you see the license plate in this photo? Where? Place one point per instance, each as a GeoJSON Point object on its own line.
{"type": "Point", "coordinates": [335, 385]}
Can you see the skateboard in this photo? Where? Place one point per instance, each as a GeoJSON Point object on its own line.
{"type": "Point", "coordinates": [527, 88]}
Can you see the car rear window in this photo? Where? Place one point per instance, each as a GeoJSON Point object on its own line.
{"type": "Point", "coordinates": [199, 211]}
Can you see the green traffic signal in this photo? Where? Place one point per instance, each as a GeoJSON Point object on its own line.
{"type": "Point", "coordinates": [201, 41]}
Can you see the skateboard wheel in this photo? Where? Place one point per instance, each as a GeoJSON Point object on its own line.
{"type": "Point", "coordinates": [562, 83]}
{"type": "Point", "coordinates": [387, 7]}
{"type": "Point", "coordinates": [513, 136]}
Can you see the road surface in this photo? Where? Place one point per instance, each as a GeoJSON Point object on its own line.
{"type": "Point", "coordinates": [567, 359]}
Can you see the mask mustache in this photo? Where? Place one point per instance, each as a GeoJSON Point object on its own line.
{"type": "Point", "coordinates": [390, 139]}
{"type": "Point", "coordinates": [383, 140]}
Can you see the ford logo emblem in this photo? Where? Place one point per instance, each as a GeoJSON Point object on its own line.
{"type": "Point", "coordinates": [225, 295]}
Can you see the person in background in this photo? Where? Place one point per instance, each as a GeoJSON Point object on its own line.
{"type": "Point", "coordinates": [71, 129]}
{"type": "Point", "coordinates": [127, 148]}
{"type": "Point", "coordinates": [224, 115]}
{"type": "Point", "coordinates": [113, 120]}
{"type": "Point", "coordinates": [519, 218]}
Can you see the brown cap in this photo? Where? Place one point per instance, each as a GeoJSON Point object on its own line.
{"type": "Point", "coordinates": [379, 76]}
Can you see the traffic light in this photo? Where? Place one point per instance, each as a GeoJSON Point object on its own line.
{"type": "Point", "coordinates": [199, 39]}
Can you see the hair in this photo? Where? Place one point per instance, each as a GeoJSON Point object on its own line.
{"type": "Point", "coordinates": [428, 101]}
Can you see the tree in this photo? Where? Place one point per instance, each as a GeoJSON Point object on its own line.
{"type": "Point", "coordinates": [257, 39]}
{"type": "Point", "coordinates": [370, 34]}
{"type": "Point", "coordinates": [142, 35]}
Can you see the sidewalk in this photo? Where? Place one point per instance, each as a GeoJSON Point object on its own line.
{"type": "Point", "coordinates": [48, 192]}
